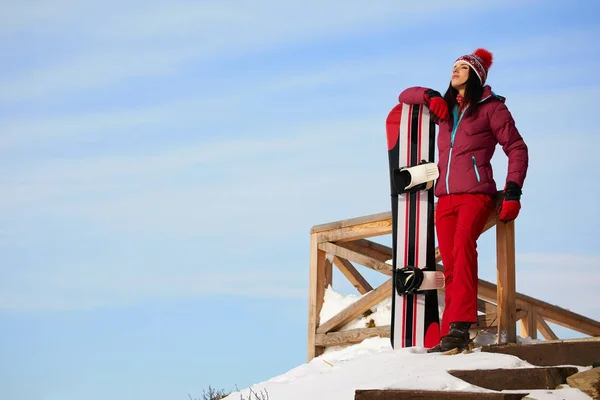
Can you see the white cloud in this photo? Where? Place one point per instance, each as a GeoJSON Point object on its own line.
{"type": "Point", "coordinates": [567, 265]}
{"type": "Point", "coordinates": [189, 111]}
{"type": "Point", "coordinates": [27, 132]}
{"type": "Point", "coordinates": [179, 189]}
{"type": "Point", "coordinates": [558, 45]}
{"type": "Point", "coordinates": [18, 16]}
{"type": "Point", "coordinates": [568, 280]}
{"type": "Point", "coordinates": [162, 39]}
{"type": "Point", "coordinates": [84, 286]}
{"type": "Point", "coordinates": [92, 71]}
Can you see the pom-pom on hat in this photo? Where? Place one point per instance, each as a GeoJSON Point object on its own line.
{"type": "Point", "coordinates": [480, 60]}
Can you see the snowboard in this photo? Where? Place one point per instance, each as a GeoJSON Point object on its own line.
{"type": "Point", "coordinates": [411, 143]}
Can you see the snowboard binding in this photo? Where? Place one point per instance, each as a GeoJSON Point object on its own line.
{"type": "Point", "coordinates": [411, 280]}
{"type": "Point", "coordinates": [415, 178]}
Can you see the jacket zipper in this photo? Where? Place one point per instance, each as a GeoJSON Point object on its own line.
{"type": "Point", "coordinates": [454, 128]}
{"type": "Point", "coordinates": [475, 167]}
{"type": "Point", "coordinates": [452, 143]}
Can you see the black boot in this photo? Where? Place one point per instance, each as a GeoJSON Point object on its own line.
{"type": "Point", "coordinates": [457, 338]}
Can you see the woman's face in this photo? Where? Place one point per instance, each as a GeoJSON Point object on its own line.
{"type": "Point", "coordinates": [460, 74]}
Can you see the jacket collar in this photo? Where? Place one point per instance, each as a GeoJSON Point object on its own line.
{"type": "Point", "coordinates": [489, 94]}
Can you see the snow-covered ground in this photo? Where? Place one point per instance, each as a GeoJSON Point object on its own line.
{"type": "Point", "coordinates": [373, 364]}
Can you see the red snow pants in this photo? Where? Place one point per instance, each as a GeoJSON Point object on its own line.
{"type": "Point", "coordinates": [460, 219]}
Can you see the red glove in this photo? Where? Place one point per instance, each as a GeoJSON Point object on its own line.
{"type": "Point", "coordinates": [511, 205]}
{"type": "Point", "coordinates": [509, 210]}
{"type": "Point", "coordinates": [437, 105]}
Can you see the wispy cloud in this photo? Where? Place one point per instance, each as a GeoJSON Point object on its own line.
{"type": "Point", "coordinates": [233, 153]}
{"type": "Point", "coordinates": [549, 276]}
{"type": "Point", "coordinates": [19, 17]}
{"type": "Point", "coordinates": [96, 286]}
{"type": "Point", "coordinates": [92, 71]}
{"type": "Point", "coordinates": [208, 104]}
{"type": "Point", "coordinates": [141, 44]}
{"type": "Point", "coordinates": [156, 188]}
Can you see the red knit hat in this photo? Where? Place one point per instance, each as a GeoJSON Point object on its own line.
{"type": "Point", "coordinates": [481, 60]}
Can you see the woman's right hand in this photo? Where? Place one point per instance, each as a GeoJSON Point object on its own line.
{"type": "Point", "coordinates": [437, 105]}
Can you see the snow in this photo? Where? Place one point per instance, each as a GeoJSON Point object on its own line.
{"type": "Point", "coordinates": [373, 364]}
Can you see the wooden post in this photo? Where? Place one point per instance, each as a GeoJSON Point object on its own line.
{"type": "Point", "coordinates": [344, 242]}
{"type": "Point", "coordinates": [319, 279]}
{"type": "Point", "coordinates": [506, 294]}
{"type": "Point", "coordinates": [529, 323]}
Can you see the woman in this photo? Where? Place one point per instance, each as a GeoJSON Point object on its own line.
{"type": "Point", "coordinates": [472, 121]}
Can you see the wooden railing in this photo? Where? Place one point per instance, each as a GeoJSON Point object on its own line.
{"type": "Point", "coordinates": [346, 242]}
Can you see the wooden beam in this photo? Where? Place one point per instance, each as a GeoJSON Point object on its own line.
{"type": "Point", "coordinates": [350, 222]}
{"type": "Point", "coordinates": [504, 379]}
{"type": "Point", "coordinates": [356, 257]}
{"type": "Point", "coordinates": [351, 336]}
{"type": "Point", "coordinates": [417, 394]}
{"type": "Point", "coordinates": [355, 228]}
{"type": "Point", "coordinates": [486, 307]}
{"type": "Point", "coordinates": [571, 320]}
{"type": "Point", "coordinates": [357, 308]}
{"type": "Point", "coordinates": [316, 294]}
{"type": "Point", "coordinates": [505, 248]}
{"type": "Point", "coordinates": [545, 329]}
{"type": "Point", "coordinates": [583, 352]}
{"type": "Point", "coordinates": [375, 246]}
{"type": "Point", "coordinates": [552, 313]}
{"type": "Point", "coordinates": [368, 248]}
{"type": "Point", "coordinates": [352, 274]}
{"type": "Point", "coordinates": [528, 323]}
{"type": "Point", "coordinates": [490, 320]}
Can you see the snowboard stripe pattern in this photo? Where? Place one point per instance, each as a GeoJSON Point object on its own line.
{"type": "Point", "coordinates": [411, 135]}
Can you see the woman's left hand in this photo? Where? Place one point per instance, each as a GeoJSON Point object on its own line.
{"type": "Point", "coordinates": [511, 204]}
{"type": "Point", "coordinates": [509, 210]}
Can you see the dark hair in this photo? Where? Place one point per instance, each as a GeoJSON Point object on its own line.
{"type": "Point", "coordinates": [473, 93]}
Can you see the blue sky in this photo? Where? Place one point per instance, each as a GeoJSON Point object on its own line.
{"type": "Point", "coordinates": [163, 163]}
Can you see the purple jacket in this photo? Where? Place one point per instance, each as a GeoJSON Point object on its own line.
{"type": "Point", "coordinates": [466, 145]}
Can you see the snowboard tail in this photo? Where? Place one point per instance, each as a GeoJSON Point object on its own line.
{"type": "Point", "coordinates": [411, 142]}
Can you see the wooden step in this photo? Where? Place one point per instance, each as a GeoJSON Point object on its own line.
{"type": "Point", "coordinates": [516, 379]}
{"type": "Point", "coordinates": [396, 394]}
{"type": "Point", "coordinates": [582, 352]}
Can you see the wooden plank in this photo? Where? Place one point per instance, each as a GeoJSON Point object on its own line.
{"type": "Point", "coordinates": [545, 329]}
{"type": "Point", "coordinates": [352, 274]}
{"type": "Point", "coordinates": [411, 394]}
{"type": "Point", "coordinates": [547, 378]}
{"type": "Point", "coordinates": [506, 303]}
{"type": "Point", "coordinates": [368, 248]}
{"type": "Point", "coordinates": [381, 248]}
{"type": "Point", "coordinates": [328, 275]}
{"type": "Point", "coordinates": [550, 312]}
{"type": "Point", "coordinates": [581, 352]}
{"type": "Point", "coordinates": [490, 319]}
{"type": "Point", "coordinates": [316, 294]}
{"type": "Point", "coordinates": [486, 307]}
{"type": "Point", "coordinates": [528, 323]}
{"type": "Point", "coordinates": [350, 222]}
{"type": "Point", "coordinates": [356, 257]}
{"type": "Point", "coordinates": [351, 336]}
{"type": "Point", "coordinates": [357, 308]}
{"type": "Point", "coordinates": [354, 232]}
{"type": "Point", "coordinates": [570, 320]}
{"type": "Point", "coordinates": [487, 291]}
{"type": "Point", "coordinates": [379, 217]}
